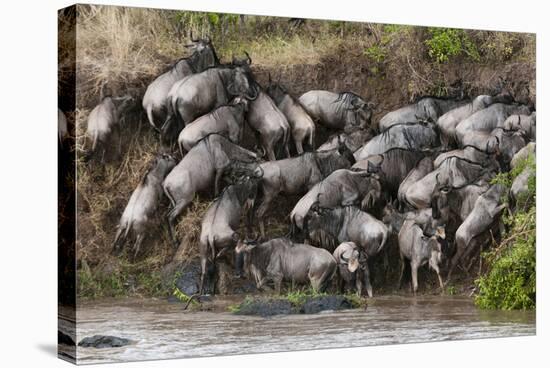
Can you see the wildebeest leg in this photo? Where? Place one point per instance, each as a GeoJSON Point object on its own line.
{"type": "Point", "coordinates": [367, 280]}
{"type": "Point", "coordinates": [339, 282]}
{"type": "Point", "coordinates": [436, 269]}
{"type": "Point", "coordinates": [299, 148]}
{"type": "Point", "coordinates": [262, 209]}
{"type": "Point", "coordinates": [401, 270]}
{"type": "Point", "coordinates": [278, 281]}
{"type": "Point", "coordinates": [172, 215]}
{"type": "Point", "coordinates": [137, 245]}
{"type": "Point", "coordinates": [116, 245]}
{"type": "Point", "coordinates": [203, 273]}
{"type": "Point", "coordinates": [219, 173]}
{"type": "Point", "coordinates": [359, 283]}
{"type": "Point", "coordinates": [414, 276]}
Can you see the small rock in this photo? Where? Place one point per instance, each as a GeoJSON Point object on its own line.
{"type": "Point", "coordinates": [265, 308]}
{"type": "Point", "coordinates": [101, 341]}
{"type": "Point", "coordinates": [318, 304]}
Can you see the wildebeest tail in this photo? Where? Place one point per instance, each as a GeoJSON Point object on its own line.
{"type": "Point", "coordinates": [383, 242]}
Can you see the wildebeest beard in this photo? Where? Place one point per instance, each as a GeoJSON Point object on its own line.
{"type": "Point", "coordinates": [325, 228]}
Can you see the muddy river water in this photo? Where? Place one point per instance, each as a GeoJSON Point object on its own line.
{"type": "Point", "coordinates": [163, 330]}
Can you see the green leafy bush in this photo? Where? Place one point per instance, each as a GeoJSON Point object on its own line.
{"type": "Point", "coordinates": [445, 43]}
{"type": "Point", "coordinates": [510, 282]}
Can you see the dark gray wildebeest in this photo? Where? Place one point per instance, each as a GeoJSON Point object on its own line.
{"type": "Point", "coordinates": [427, 109]}
{"type": "Point", "coordinates": [220, 225]}
{"type": "Point", "coordinates": [200, 93]}
{"type": "Point", "coordinates": [227, 120]}
{"type": "Point", "coordinates": [301, 124]}
{"type": "Point", "coordinates": [104, 123]}
{"type": "Point", "coordinates": [349, 260]}
{"type": "Point", "coordinates": [340, 111]}
{"type": "Point", "coordinates": [523, 154]}
{"type": "Point", "coordinates": [411, 136]}
{"type": "Point", "coordinates": [265, 118]}
{"type": "Point", "coordinates": [143, 204]}
{"type": "Point", "coordinates": [354, 139]}
{"type": "Point", "coordinates": [328, 227]}
{"type": "Point", "coordinates": [298, 175]}
{"type": "Point", "coordinates": [341, 188]}
{"type": "Point", "coordinates": [507, 143]}
{"type": "Point", "coordinates": [281, 259]}
{"type": "Point", "coordinates": [395, 164]}
{"type": "Point", "coordinates": [486, 211]}
{"type": "Point", "coordinates": [488, 119]}
{"type": "Point", "coordinates": [62, 130]}
{"type": "Point", "coordinates": [447, 122]}
{"type": "Point", "coordinates": [420, 247]}
{"type": "Point", "coordinates": [454, 172]}
{"type": "Point", "coordinates": [524, 123]}
{"type": "Point", "coordinates": [201, 169]}
{"type": "Point", "coordinates": [155, 97]}
{"type": "Point", "coordinates": [423, 168]}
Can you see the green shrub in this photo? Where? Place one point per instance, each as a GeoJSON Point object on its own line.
{"type": "Point", "coordinates": [445, 43]}
{"type": "Point", "coordinates": [510, 281]}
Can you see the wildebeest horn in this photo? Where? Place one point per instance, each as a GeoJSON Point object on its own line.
{"type": "Point", "coordinates": [437, 178]}
{"type": "Point", "coordinates": [343, 259]}
{"type": "Point", "coordinates": [249, 58]}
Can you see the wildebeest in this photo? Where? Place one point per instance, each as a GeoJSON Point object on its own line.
{"type": "Point", "coordinates": [420, 248]}
{"type": "Point", "coordinates": [423, 168]}
{"type": "Point", "coordinates": [349, 274]}
{"type": "Point", "coordinates": [227, 120]}
{"type": "Point", "coordinates": [486, 210]}
{"type": "Point", "coordinates": [426, 109]}
{"type": "Point", "coordinates": [104, 121]}
{"type": "Point", "coordinates": [328, 227]}
{"type": "Point", "coordinates": [199, 170]}
{"type": "Point", "coordinates": [143, 203]}
{"type": "Point", "coordinates": [447, 122]}
{"type": "Point", "coordinates": [301, 124]}
{"type": "Point", "coordinates": [353, 138]}
{"type": "Point", "coordinates": [523, 154]}
{"type": "Point", "coordinates": [154, 99]}
{"type": "Point", "coordinates": [220, 224]}
{"type": "Point", "coordinates": [454, 172]}
{"type": "Point", "coordinates": [337, 110]}
{"type": "Point", "coordinates": [279, 259]}
{"type": "Point", "coordinates": [341, 188]}
{"type": "Point", "coordinates": [395, 164]}
{"type": "Point", "coordinates": [525, 123]}
{"type": "Point", "coordinates": [265, 118]}
{"type": "Point", "coordinates": [200, 93]}
{"type": "Point", "coordinates": [488, 119]}
{"type": "Point", "coordinates": [297, 175]}
{"type": "Point", "coordinates": [62, 130]}
{"type": "Point", "coordinates": [411, 136]}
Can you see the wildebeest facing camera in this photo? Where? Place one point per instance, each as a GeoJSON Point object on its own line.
{"type": "Point", "coordinates": [216, 170]}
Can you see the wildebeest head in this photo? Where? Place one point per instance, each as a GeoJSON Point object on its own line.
{"type": "Point", "coordinates": [350, 257]}
{"type": "Point", "coordinates": [440, 201]}
{"type": "Point", "coordinates": [322, 225]}
{"type": "Point", "coordinates": [276, 91]}
{"type": "Point", "coordinates": [241, 102]}
{"type": "Point", "coordinates": [392, 218]}
{"type": "Point", "coordinates": [374, 194]}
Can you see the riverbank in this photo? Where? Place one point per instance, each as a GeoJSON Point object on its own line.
{"type": "Point", "coordinates": [389, 65]}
